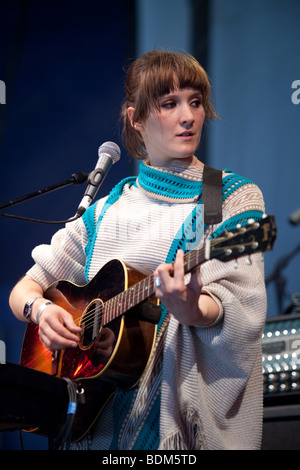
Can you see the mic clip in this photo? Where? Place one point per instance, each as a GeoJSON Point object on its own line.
{"type": "Point", "coordinates": [95, 177]}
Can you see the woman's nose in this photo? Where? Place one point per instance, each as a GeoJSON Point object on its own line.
{"type": "Point", "coordinates": [187, 116]}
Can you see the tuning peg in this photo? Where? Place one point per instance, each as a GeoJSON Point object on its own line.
{"type": "Point", "coordinates": [240, 228]}
{"type": "Point", "coordinates": [228, 234]}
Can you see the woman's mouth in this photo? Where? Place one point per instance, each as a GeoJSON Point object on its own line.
{"type": "Point", "coordinates": [186, 135]}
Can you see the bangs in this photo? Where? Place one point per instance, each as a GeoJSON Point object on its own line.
{"type": "Point", "coordinates": [167, 73]}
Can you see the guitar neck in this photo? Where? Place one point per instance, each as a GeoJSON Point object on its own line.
{"type": "Point", "coordinates": [193, 259]}
{"type": "Point", "coordinates": [142, 290]}
{"type": "Point", "coordinates": [247, 239]}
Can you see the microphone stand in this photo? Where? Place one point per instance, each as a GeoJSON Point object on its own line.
{"type": "Point", "coordinates": [76, 178]}
{"type": "Point", "coordinates": [279, 279]}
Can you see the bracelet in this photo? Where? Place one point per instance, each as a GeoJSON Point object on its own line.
{"type": "Point", "coordinates": [41, 309]}
{"type": "Point", "coordinates": [28, 308]}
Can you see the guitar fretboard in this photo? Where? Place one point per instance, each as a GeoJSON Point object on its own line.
{"type": "Point", "coordinates": [142, 290]}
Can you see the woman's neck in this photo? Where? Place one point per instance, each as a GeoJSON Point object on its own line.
{"type": "Point", "coordinates": [176, 162]}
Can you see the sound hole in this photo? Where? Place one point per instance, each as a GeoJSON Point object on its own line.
{"type": "Point", "coordinates": [91, 323]}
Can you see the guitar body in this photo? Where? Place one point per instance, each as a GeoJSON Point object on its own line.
{"type": "Point", "coordinates": [109, 355]}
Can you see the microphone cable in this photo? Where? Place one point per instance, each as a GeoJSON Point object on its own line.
{"type": "Point", "coordinates": [76, 178]}
{"type": "Point", "coordinates": [63, 439]}
{"type": "Point", "coordinates": [39, 221]}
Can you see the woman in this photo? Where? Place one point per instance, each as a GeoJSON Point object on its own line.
{"type": "Point", "coordinates": [202, 388]}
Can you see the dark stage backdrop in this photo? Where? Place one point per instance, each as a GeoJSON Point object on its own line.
{"type": "Point", "coordinates": [63, 66]}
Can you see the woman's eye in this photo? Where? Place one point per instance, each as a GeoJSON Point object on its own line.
{"type": "Point", "coordinates": [168, 105]}
{"type": "Point", "coordinates": [196, 103]}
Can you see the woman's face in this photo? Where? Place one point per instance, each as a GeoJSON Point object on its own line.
{"type": "Point", "coordinates": [174, 131]}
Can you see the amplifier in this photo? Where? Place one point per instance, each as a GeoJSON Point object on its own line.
{"type": "Point", "coordinates": [281, 356]}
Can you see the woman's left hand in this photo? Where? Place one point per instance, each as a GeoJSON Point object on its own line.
{"type": "Point", "coordinates": [184, 300]}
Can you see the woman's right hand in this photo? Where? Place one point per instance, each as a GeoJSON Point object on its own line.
{"type": "Point", "coordinates": [57, 329]}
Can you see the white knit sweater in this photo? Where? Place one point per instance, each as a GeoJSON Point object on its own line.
{"type": "Point", "coordinates": [210, 378]}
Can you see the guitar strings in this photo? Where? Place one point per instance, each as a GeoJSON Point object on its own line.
{"type": "Point", "coordinates": [110, 306]}
{"type": "Point", "coordinates": [113, 304]}
{"type": "Point", "coordinates": [116, 302]}
{"type": "Point", "coordinates": [138, 288]}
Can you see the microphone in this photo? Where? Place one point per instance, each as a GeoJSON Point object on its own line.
{"type": "Point", "coordinates": [109, 153]}
{"type": "Point", "coordinates": [295, 217]}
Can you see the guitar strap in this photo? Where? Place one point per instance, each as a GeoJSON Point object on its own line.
{"type": "Point", "coordinates": [212, 195]}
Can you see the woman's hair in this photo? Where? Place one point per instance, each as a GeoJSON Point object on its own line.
{"type": "Point", "coordinates": [152, 75]}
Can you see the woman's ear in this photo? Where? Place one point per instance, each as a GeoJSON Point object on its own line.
{"type": "Point", "coordinates": [137, 125]}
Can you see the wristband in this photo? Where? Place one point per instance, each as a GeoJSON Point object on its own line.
{"type": "Point", "coordinates": [41, 309]}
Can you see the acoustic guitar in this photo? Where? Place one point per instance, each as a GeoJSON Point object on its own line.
{"type": "Point", "coordinates": [118, 313]}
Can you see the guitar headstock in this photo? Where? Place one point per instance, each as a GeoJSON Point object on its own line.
{"type": "Point", "coordinates": [251, 238]}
